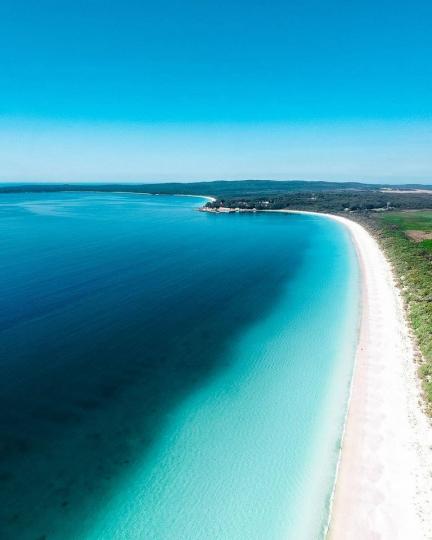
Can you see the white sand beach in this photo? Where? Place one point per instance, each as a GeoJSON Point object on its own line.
{"type": "Point", "coordinates": [384, 482]}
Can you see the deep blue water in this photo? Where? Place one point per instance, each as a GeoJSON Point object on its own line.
{"type": "Point", "coordinates": [169, 374]}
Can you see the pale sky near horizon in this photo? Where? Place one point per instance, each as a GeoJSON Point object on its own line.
{"type": "Point", "coordinates": [197, 90]}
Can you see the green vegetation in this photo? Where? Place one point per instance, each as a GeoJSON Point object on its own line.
{"type": "Point", "coordinates": [416, 221]}
{"type": "Point", "coordinates": [343, 200]}
{"type": "Point", "coordinates": [426, 245]}
{"type": "Point", "coordinates": [412, 262]}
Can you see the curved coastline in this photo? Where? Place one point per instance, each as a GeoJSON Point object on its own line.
{"type": "Point", "coordinates": [382, 481]}
{"type": "Point", "coordinates": [382, 486]}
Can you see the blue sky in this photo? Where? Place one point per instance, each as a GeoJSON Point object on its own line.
{"type": "Point", "coordinates": [198, 90]}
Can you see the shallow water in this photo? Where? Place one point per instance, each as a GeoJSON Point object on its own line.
{"type": "Point", "coordinates": [167, 373]}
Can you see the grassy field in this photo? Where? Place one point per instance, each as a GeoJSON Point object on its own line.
{"type": "Point", "coordinates": [417, 220]}
{"type": "Point", "coordinates": [416, 224]}
{"type": "Point", "coordinates": [412, 262]}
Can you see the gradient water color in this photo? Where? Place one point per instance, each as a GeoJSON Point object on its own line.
{"type": "Point", "coordinates": [167, 373]}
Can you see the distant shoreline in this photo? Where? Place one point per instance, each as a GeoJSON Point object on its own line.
{"type": "Point", "coordinates": [106, 192]}
{"type": "Point", "coordinates": [212, 199]}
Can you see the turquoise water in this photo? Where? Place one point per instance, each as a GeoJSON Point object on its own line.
{"type": "Point", "coordinates": [169, 374]}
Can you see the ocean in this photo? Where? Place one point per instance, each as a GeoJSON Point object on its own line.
{"type": "Point", "coordinates": [168, 374]}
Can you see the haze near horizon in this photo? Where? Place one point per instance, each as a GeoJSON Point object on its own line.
{"type": "Point", "coordinates": [197, 91]}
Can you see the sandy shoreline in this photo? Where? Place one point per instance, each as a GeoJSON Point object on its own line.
{"type": "Point", "coordinates": [383, 488]}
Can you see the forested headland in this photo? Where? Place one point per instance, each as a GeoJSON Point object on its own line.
{"type": "Point", "coordinates": [263, 194]}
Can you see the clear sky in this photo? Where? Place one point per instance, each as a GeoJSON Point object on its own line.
{"type": "Point", "coordinates": [110, 90]}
